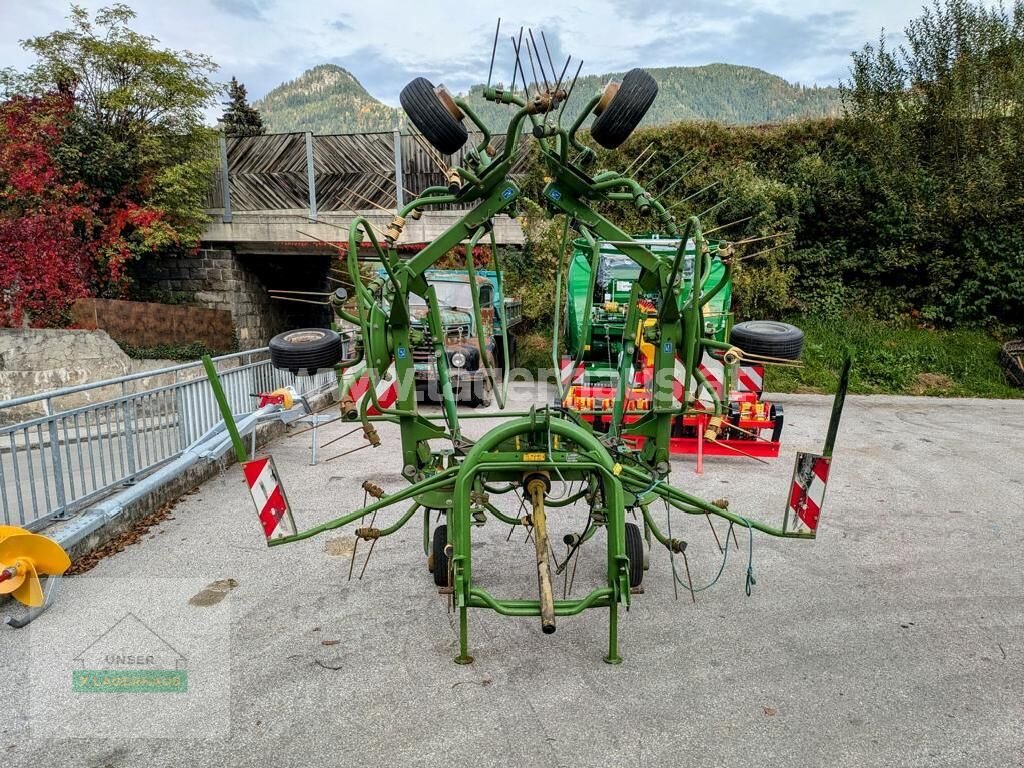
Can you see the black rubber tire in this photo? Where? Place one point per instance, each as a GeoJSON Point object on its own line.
{"type": "Point", "coordinates": [1010, 357]}
{"type": "Point", "coordinates": [480, 394]}
{"type": "Point", "coordinates": [439, 558]}
{"type": "Point", "coordinates": [435, 122]}
{"type": "Point", "coordinates": [768, 338]}
{"type": "Point", "coordinates": [626, 109]}
{"type": "Point", "coordinates": [305, 349]}
{"type": "Point", "coordinates": [635, 553]}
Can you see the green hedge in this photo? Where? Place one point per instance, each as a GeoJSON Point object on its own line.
{"type": "Point", "coordinates": [880, 222]}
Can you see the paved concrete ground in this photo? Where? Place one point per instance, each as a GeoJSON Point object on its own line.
{"type": "Point", "coordinates": [897, 638]}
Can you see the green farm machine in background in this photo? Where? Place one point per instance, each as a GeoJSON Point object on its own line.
{"type": "Point", "coordinates": [527, 453]}
{"type": "Point", "coordinates": [599, 286]}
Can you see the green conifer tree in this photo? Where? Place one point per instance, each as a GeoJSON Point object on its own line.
{"type": "Point", "coordinates": [240, 119]}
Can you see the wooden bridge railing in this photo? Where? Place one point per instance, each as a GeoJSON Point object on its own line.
{"type": "Point", "coordinates": [302, 171]}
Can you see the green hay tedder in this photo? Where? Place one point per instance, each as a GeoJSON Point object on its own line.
{"type": "Point", "coordinates": [528, 451]}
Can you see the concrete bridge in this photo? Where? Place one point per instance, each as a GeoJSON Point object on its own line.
{"type": "Point", "coordinates": [296, 192]}
{"type": "Point", "coordinates": [279, 207]}
{"type": "Point", "coordinates": [286, 232]}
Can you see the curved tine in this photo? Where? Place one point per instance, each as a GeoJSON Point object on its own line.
{"type": "Point", "coordinates": [639, 155]}
{"type": "Point", "coordinates": [300, 301]}
{"type": "Point", "coordinates": [758, 239]}
{"type": "Point", "coordinates": [533, 68]}
{"type": "Point", "coordinates": [719, 204]}
{"type": "Point", "coordinates": [572, 87]}
{"type": "Point", "coordinates": [540, 63]}
{"type": "Point", "coordinates": [494, 50]}
{"type": "Point", "coordinates": [761, 253]}
{"type": "Point", "coordinates": [730, 224]}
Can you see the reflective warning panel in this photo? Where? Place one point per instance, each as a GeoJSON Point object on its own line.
{"type": "Point", "coordinates": [807, 493]}
{"type": "Point", "coordinates": [268, 495]}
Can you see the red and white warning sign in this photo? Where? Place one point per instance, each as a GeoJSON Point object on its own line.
{"type": "Point", "coordinates": [386, 390]}
{"type": "Point", "coordinates": [810, 476]}
{"type": "Point", "coordinates": [750, 378]}
{"type": "Point", "coordinates": [570, 375]}
{"type": "Point", "coordinates": [268, 494]}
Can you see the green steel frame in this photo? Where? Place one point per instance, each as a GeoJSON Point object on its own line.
{"type": "Point", "coordinates": [528, 447]}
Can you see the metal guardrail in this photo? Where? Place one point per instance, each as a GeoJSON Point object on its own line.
{"type": "Point", "coordinates": [54, 464]}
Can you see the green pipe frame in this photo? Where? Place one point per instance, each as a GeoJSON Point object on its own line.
{"type": "Point", "coordinates": [613, 476]}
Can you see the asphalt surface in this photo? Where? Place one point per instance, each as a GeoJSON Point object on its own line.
{"type": "Point", "coordinates": [895, 639]}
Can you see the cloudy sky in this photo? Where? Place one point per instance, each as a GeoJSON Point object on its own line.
{"type": "Point", "coordinates": [385, 44]}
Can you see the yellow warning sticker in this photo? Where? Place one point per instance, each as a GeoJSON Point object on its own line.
{"type": "Point", "coordinates": [535, 456]}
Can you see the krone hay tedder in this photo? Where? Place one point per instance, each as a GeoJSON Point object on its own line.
{"type": "Point", "coordinates": [528, 451]}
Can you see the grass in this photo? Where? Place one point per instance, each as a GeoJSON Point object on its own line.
{"type": "Point", "coordinates": [895, 358]}
{"type": "Point", "coordinates": [892, 358]}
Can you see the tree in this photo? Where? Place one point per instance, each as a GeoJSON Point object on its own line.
{"type": "Point", "coordinates": [44, 262]}
{"type": "Point", "coordinates": [137, 133]}
{"type": "Point", "coordinates": [962, 60]}
{"type": "Point", "coordinates": [240, 119]}
{"type": "Point", "coordinates": [942, 118]}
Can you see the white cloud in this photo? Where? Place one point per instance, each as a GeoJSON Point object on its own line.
{"type": "Point", "coordinates": [265, 42]}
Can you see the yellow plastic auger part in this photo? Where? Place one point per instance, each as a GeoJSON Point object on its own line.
{"type": "Point", "coordinates": [25, 556]}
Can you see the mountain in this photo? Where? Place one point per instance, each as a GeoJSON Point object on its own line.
{"type": "Point", "coordinates": [325, 99]}
{"type": "Point", "coordinates": [328, 99]}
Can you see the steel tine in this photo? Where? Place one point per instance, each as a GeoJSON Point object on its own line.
{"type": "Point", "coordinates": [766, 250]}
{"type": "Point", "coordinates": [686, 563]}
{"type": "Point", "coordinates": [758, 239]}
{"type": "Point", "coordinates": [533, 68]}
{"type": "Point", "coordinates": [673, 165]}
{"type": "Point", "coordinates": [540, 63]}
{"type": "Point", "coordinates": [494, 50]}
{"type": "Point", "coordinates": [369, 554]}
{"type": "Point", "coordinates": [572, 87]}
{"type": "Point", "coordinates": [561, 76]}
{"type": "Point", "coordinates": [726, 226]}
{"type": "Point", "coordinates": [695, 194]}
{"type": "Point", "coordinates": [713, 207]}
{"type": "Point", "coordinates": [718, 541]}
{"type": "Point", "coordinates": [640, 154]}
{"type": "Point", "coordinates": [551, 63]}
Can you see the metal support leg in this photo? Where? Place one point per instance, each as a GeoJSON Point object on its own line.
{"type": "Point", "coordinates": [701, 424]}
{"type": "Point", "coordinates": [463, 657]}
{"type": "Point", "coordinates": [613, 634]}
{"type": "Point", "coordinates": [314, 441]}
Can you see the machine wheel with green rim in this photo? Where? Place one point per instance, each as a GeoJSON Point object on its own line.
{"type": "Point", "coordinates": [424, 106]}
{"type": "Point", "coordinates": [625, 109]}
{"type": "Point", "coordinates": [305, 349]}
{"type": "Point", "coordinates": [635, 553]}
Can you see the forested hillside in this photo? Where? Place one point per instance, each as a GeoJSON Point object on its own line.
{"type": "Point", "coordinates": [329, 99]}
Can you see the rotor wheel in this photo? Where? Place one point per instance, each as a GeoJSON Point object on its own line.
{"type": "Point", "coordinates": [438, 556]}
{"type": "Point", "coordinates": [635, 553]}
{"type": "Point", "coordinates": [628, 102]}
{"type": "Point", "coordinates": [484, 396]}
{"type": "Point", "coordinates": [431, 111]}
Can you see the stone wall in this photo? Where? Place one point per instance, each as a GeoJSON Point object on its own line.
{"type": "Point", "coordinates": [220, 279]}
{"type": "Point", "coordinates": [35, 360]}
